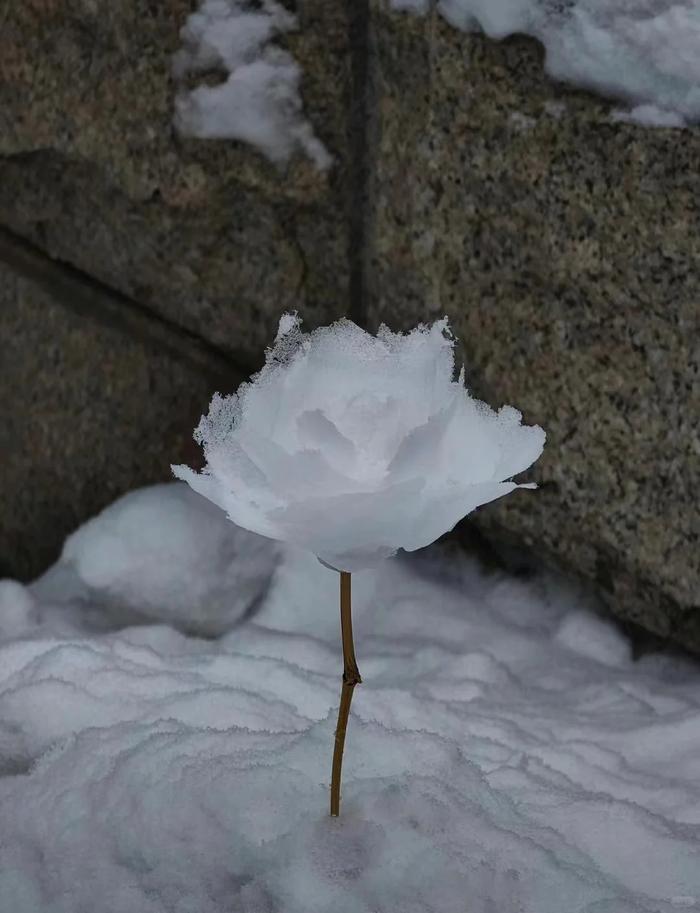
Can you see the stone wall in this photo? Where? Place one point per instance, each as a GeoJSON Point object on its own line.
{"type": "Point", "coordinates": [565, 248]}
{"type": "Point", "coordinates": [198, 245]}
{"type": "Point", "coordinates": [142, 271]}
{"type": "Point", "coordinates": [90, 409]}
{"type": "Point", "coordinates": [207, 234]}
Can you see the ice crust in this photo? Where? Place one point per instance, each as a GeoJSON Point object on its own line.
{"type": "Point", "coordinates": [504, 753]}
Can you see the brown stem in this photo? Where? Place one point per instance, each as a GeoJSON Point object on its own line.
{"type": "Point", "coordinates": [351, 677]}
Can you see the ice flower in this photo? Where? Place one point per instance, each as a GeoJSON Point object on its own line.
{"type": "Point", "coordinates": [354, 446]}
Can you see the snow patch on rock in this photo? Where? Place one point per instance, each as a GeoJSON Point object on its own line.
{"type": "Point", "coordinates": [259, 101]}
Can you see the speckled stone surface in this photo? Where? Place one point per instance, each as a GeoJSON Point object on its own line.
{"type": "Point", "coordinates": [207, 233]}
{"type": "Point", "coordinates": [86, 414]}
{"type": "Point", "coordinates": [566, 251]}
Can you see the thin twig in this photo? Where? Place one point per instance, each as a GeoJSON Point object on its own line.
{"type": "Point", "coordinates": [351, 677]}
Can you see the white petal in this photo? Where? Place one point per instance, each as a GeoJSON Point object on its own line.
{"type": "Point", "coordinates": [288, 323]}
{"type": "Point", "coordinates": [317, 430]}
{"type": "Point", "coordinates": [422, 366]}
{"type": "Point", "coordinates": [239, 508]}
{"type": "Point", "coordinates": [520, 444]}
{"type": "Point", "coordinates": [471, 450]}
{"type": "Point", "coordinates": [420, 452]}
{"type": "Point", "coordinates": [229, 461]}
{"type": "Point", "coordinates": [203, 483]}
{"type": "Point", "coordinates": [439, 515]}
{"type": "Point", "coordinates": [357, 560]}
{"type": "Point", "coordinates": [342, 524]}
{"type": "Point", "coordinates": [292, 475]}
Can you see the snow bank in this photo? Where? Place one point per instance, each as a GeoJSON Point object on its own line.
{"type": "Point", "coordinates": [503, 754]}
{"type": "Point", "coordinates": [164, 553]}
{"type": "Point", "coordinates": [259, 101]}
{"type": "Point", "coordinates": [645, 52]}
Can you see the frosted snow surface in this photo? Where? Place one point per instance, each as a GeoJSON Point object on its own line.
{"type": "Point", "coordinates": [645, 52]}
{"type": "Point", "coordinates": [259, 101]}
{"type": "Point", "coordinates": [503, 752]}
{"type": "Point", "coordinates": [354, 445]}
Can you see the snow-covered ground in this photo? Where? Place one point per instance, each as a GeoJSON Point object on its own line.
{"type": "Point", "coordinates": [504, 753]}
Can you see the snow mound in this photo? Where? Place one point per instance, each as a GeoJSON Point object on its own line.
{"type": "Point", "coordinates": [645, 52]}
{"type": "Point", "coordinates": [259, 101]}
{"type": "Point", "coordinates": [504, 754]}
{"type": "Point", "coordinates": [167, 554]}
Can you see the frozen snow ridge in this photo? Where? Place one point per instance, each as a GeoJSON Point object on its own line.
{"type": "Point", "coordinates": [644, 52]}
{"type": "Point", "coordinates": [259, 101]}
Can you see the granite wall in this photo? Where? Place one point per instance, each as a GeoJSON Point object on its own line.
{"type": "Point", "coordinates": [142, 270]}
{"type": "Point", "coordinates": [565, 248]}
{"type": "Point", "coordinates": [196, 247]}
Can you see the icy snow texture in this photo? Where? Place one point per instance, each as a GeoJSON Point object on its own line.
{"type": "Point", "coordinates": [645, 52]}
{"type": "Point", "coordinates": [259, 102]}
{"type": "Point", "coordinates": [503, 753]}
{"type": "Point", "coordinates": [353, 446]}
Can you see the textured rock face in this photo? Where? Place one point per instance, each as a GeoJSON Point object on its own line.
{"type": "Point", "coordinates": [208, 237]}
{"type": "Point", "coordinates": [565, 250]}
{"type": "Point", "coordinates": [208, 234]}
{"type": "Point", "coordinates": [87, 414]}
{"type": "Point", "coordinates": [563, 246]}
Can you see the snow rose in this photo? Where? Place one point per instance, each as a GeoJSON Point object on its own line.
{"type": "Point", "coordinates": [354, 446]}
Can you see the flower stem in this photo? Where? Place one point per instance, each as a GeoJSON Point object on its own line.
{"type": "Point", "coordinates": [351, 677]}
